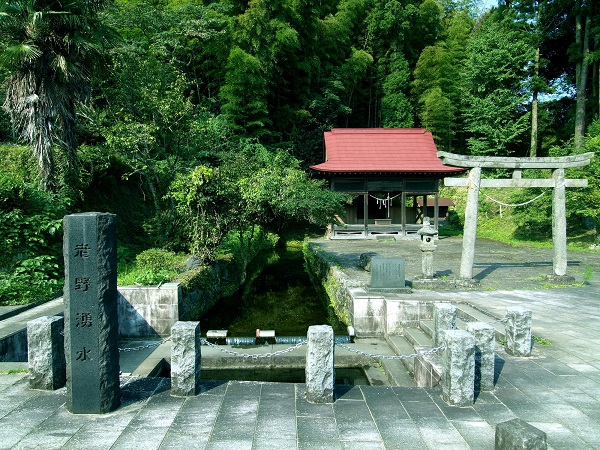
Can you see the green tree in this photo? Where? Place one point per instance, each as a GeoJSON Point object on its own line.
{"type": "Point", "coordinates": [396, 110]}
{"type": "Point", "coordinates": [244, 94]}
{"type": "Point", "coordinates": [586, 202]}
{"type": "Point", "coordinates": [30, 231]}
{"type": "Point", "coordinates": [584, 12]}
{"type": "Point", "coordinates": [438, 81]}
{"type": "Point", "coordinates": [152, 112]}
{"type": "Point", "coordinates": [253, 187]}
{"type": "Point", "coordinates": [496, 94]}
{"type": "Point", "coordinates": [49, 49]}
{"type": "Point", "coordinates": [438, 116]}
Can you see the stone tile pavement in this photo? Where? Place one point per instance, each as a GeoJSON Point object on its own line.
{"type": "Point", "coordinates": [556, 390]}
{"type": "Point", "coordinates": [559, 397]}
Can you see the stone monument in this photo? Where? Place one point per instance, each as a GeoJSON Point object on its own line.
{"type": "Point", "coordinates": [91, 320]}
{"type": "Point", "coordinates": [388, 275]}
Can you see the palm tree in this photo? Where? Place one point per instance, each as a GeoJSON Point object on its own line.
{"type": "Point", "coordinates": [48, 48]}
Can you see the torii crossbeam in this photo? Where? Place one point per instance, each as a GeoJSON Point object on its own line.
{"type": "Point", "coordinates": [558, 182]}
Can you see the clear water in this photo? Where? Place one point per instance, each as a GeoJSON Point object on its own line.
{"type": "Point", "coordinates": [280, 298]}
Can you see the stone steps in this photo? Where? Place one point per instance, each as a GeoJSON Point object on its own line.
{"type": "Point", "coordinates": [396, 373]}
{"type": "Point", "coordinates": [427, 327]}
{"type": "Point", "coordinates": [418, 338]}
{"type": "Point", "coordinates": [426, 370]}
{"type": "Point", "coordinates": [402, 347]}
{"type": "Point", "coordinates": [469, 314]}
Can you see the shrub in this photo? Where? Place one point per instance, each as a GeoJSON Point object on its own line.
{"type": "Point", "coordinates": [31, 280]}
{"type": "Point", "coordinates": [30, 234]}
{"type": "Point", "coordinates": [157, 259]}
{"type": "Point", "coordinates": [152, 266]}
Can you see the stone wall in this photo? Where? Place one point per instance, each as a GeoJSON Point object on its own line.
{"type": "Point", "coordinates": [370, 313]}
{"type": "Point", "coordinates": [14, 347]}
{"type": "Point", "coordinates": [148, 311]}
{"type": "Point", "coordinates": [151, 311]}
{"type": "Point", "coordinates": [329, 280]}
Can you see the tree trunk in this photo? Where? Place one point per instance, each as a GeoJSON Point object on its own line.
{"type": "Point", "coordinates": [582, 39]}
{"type": "Point", "coordinates": [596, 86]}
{"type": "Point", "coordinates": [534, 108]}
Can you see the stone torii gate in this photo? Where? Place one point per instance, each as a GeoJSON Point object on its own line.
{"type": "Point", "coordinates": [558, 183]}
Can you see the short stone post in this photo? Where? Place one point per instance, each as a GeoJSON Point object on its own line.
{"type": "Point", "coordinates": [185, 359]}
{"type": "Point", "coordinates": [518, 331]}
{"type": "Point", "coordinates": [320, 373]}
{"type": "Point", "coordinates": [46, 353]}
{"type": "Point", "coordinates": [484, 334]}
{"type": "Point", "coordinates": [91, 313]}
{"type": "Point", "coordinates": [444, 318]}
{"type": "Point", "coordinates": [518, 434]}
{"type": "Point", "coordinates": [458, 368]}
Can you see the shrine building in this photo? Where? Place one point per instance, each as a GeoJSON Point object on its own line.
{"type": "Point", "coordinates": [393, 175]}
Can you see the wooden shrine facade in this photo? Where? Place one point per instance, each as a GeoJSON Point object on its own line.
{"type": "Point", "coordinates": [393, 175]}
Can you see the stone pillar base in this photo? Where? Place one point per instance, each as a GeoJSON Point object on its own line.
{"type": "Point", "coordinates": [458, 368]}
{"type": "Point", "coordinates": [518, 434]}
{"type": "Point", "coordinates": [46, 351]}
{"type": "Point", "coordinates": [560, 279]}
{"type": "Point", "coordinates": [518, 331]}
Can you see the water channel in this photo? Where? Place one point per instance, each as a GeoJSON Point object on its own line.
{"type": "Point", "coordinates": [281, 298]}
{"type": "Point", "coordinates": [278, 296]}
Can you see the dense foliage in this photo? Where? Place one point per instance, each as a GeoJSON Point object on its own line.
{"type": "Point", "coordinates": [30, 236]}
{"type": "Point", "coordinates": [195, 120]}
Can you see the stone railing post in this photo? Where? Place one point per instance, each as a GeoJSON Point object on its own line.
{"type": "Point", "coordinates": [518, 331]}
{"type": "Point", "coordinates": [185, 359]}
{"type": "Point", "coordinates": [458, 368]}
{"type": "Point", "coordinates": [517, 433]}
{"type": "Point", "coordinates": [444, 318]}
{"type": "Point", "coordinates": [46, 353]}
{"type": "Point", "coordinates": [320, 373]}
{"type": "Point", "coordinates": [484, 334]}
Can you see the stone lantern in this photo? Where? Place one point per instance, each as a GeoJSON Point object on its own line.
{"type": "Point", "coordinates": [428, 235]}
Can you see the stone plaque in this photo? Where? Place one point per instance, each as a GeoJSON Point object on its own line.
{"type": "Point", "coordinates": [387, 273]}
{"type": "Point", "coordinates": [91, 320]}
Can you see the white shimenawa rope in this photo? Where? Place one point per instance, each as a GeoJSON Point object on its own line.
{"type": "Point", "coordinates": [514, 204]}
{"type": "Point", "coordinates": [385, 202]}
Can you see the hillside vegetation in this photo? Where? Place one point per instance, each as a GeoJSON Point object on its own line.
{"type": "Point", "coordinates": [195, 121]}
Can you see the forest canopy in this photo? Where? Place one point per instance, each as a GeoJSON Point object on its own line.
{"type": "Point", "coordinates": [129, 105]}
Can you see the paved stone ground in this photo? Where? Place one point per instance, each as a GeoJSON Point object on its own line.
{"type": "Point", "coordinates": [556, 390]}
{"type": "Point", "coordinates": [497, 265]}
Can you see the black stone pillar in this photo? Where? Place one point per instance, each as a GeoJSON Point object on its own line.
{"type": "Point", "coordinates": [91, 321]}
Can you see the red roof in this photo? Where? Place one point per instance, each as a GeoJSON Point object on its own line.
{"type": "Point", "coordinates": [376, 150]}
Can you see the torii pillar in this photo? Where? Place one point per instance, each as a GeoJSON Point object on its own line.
{"type": "Point", "coordinates": [558, 182]}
